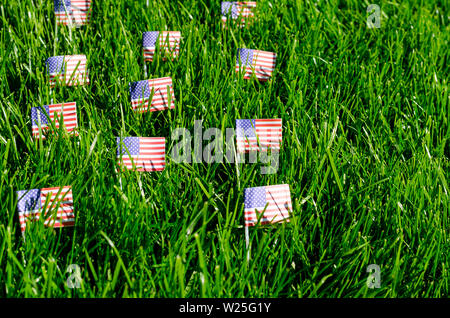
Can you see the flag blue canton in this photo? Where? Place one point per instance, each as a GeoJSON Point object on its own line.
{"type": "Point", "coordinates": [37, 114]}
{"type": "Point", "coordinates": [29, 200]}
{"type": "Point", "coordinates": [140, 89]}
{"type": "Point", "coordinates": [245, 56]}
{"type": "Point", "coordinates": [225, 7]}
{"type": "Point", "coordinates": [228, 6]}
{"type": "Point", "coordinates": [59, 5]}
{"type": "Point", "coordinates": [149, 38]}
{"type": "Point", "coordinates": [55, 64]}
{"type": "Point", "coordinates": [255, 197]}
{"type": "Point", "coordinates": [245, 128]}
{"type": "Point", "coordinates": [128, 143]}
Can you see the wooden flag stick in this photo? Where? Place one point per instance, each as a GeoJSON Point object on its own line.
{"type": "Point", "coordinates": [140, 186]}
{"type": "Point", "coordinates": [238, 174]}
{"type": "Point", "coordinates": [247, 243]}
{"type": "Point", "coordinates": [119, 169]}
{"type": "Point", "coordinates": [247, 236]}
{"type": "Point", "coordinates": [145, 70]}
{"type": "Point", "coordinates": [120, 181]}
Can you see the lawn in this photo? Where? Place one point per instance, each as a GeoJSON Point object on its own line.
{"type": "Point", "coordinates": [365, 153]}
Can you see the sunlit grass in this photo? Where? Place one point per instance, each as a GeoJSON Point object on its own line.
{"type": "Point", "coordinates": [365, 152]}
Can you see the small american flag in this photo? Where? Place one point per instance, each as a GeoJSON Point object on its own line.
{"type": "Point", "coordinates": [40, 119]}
{"type": "Point", "coordinates": [68, 69]}
{"type": "Point", "coordinates": [273, 202]}
{"type": "Point", "coordinates": [239, 11]}
{"type": "Point", "coordinates": [261, 63]}
{"type": "Point", "coordinates": [142, 153]}
{"type": "Point", "coordinates": [142, 91]}
{"type": "Point", "coordinates": [258, 134]}
{"type": "Point", "coordinates": [75, 12]}
{"type": "Point", "coordinates": [55, 204]}
{"type": "Point", "coordinates": [169, 43]}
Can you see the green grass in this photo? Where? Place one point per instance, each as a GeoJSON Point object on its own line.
{"type": "Point", "coordinates": [365, 152]}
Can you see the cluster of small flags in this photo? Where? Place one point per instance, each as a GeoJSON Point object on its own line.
{"type": "Point", "coordinates": [262, 205]}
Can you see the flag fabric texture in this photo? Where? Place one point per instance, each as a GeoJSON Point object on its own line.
{"type": "Point", "coordinates": [273, 202]}
{"type": "Point", "coordinates": [142, 153]}
{"type": "Point", "coordinates": [68, 69]}
{"type": "Point", "coordinates": [41, 118]}
{"type": "Point", "coordinates": [161, 88]}
{"type": "Point", "coordinates": [54, 204]}
{"type": "Point", "coordinates": [260, 63]}
{"type": "Point", "coordinates": [241, 11]}
{"type": "Point", "coordinates": [169, 44]}
{"type": "Point", "coordinates": [72, 12]}
{"type": "Point", "coordinates": [258, 134]}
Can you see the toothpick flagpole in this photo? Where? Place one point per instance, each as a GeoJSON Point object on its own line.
{"type": "Point", "coordinates": [120, 181]}
{"type": "Point", "coordinates": [140, 186]}
{"type": "Point", "coordinates": [145, 70]}
{"type": "Point", "coordinates": [247, 236]}
{"type": "Point", "coordinates": [237, 157]}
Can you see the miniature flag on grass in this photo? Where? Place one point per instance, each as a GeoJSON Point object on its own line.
{"type": "Point", "coordinates": [76, 12]}
{"type": "Point", "coordinates": [270, 204]}
{"type": "Point", "coordinates": [55, 204]}
{"type": "Point", "coordinates": [169, 44]}
{"type": "Point", "coordinates": [256, 62]}
{"type": "Point", "coordinates": [160, 88]}
{"type": "Point", "coordinates": [142, 153]}
{"type": "Point", "coordinates": [52, 113]}
{"type": "Point", "coordinates": [67, 69]}
{"type": "Point", "coordinates": [241, 11]}
{"type": "Point", "coordinates": [258, 134]}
